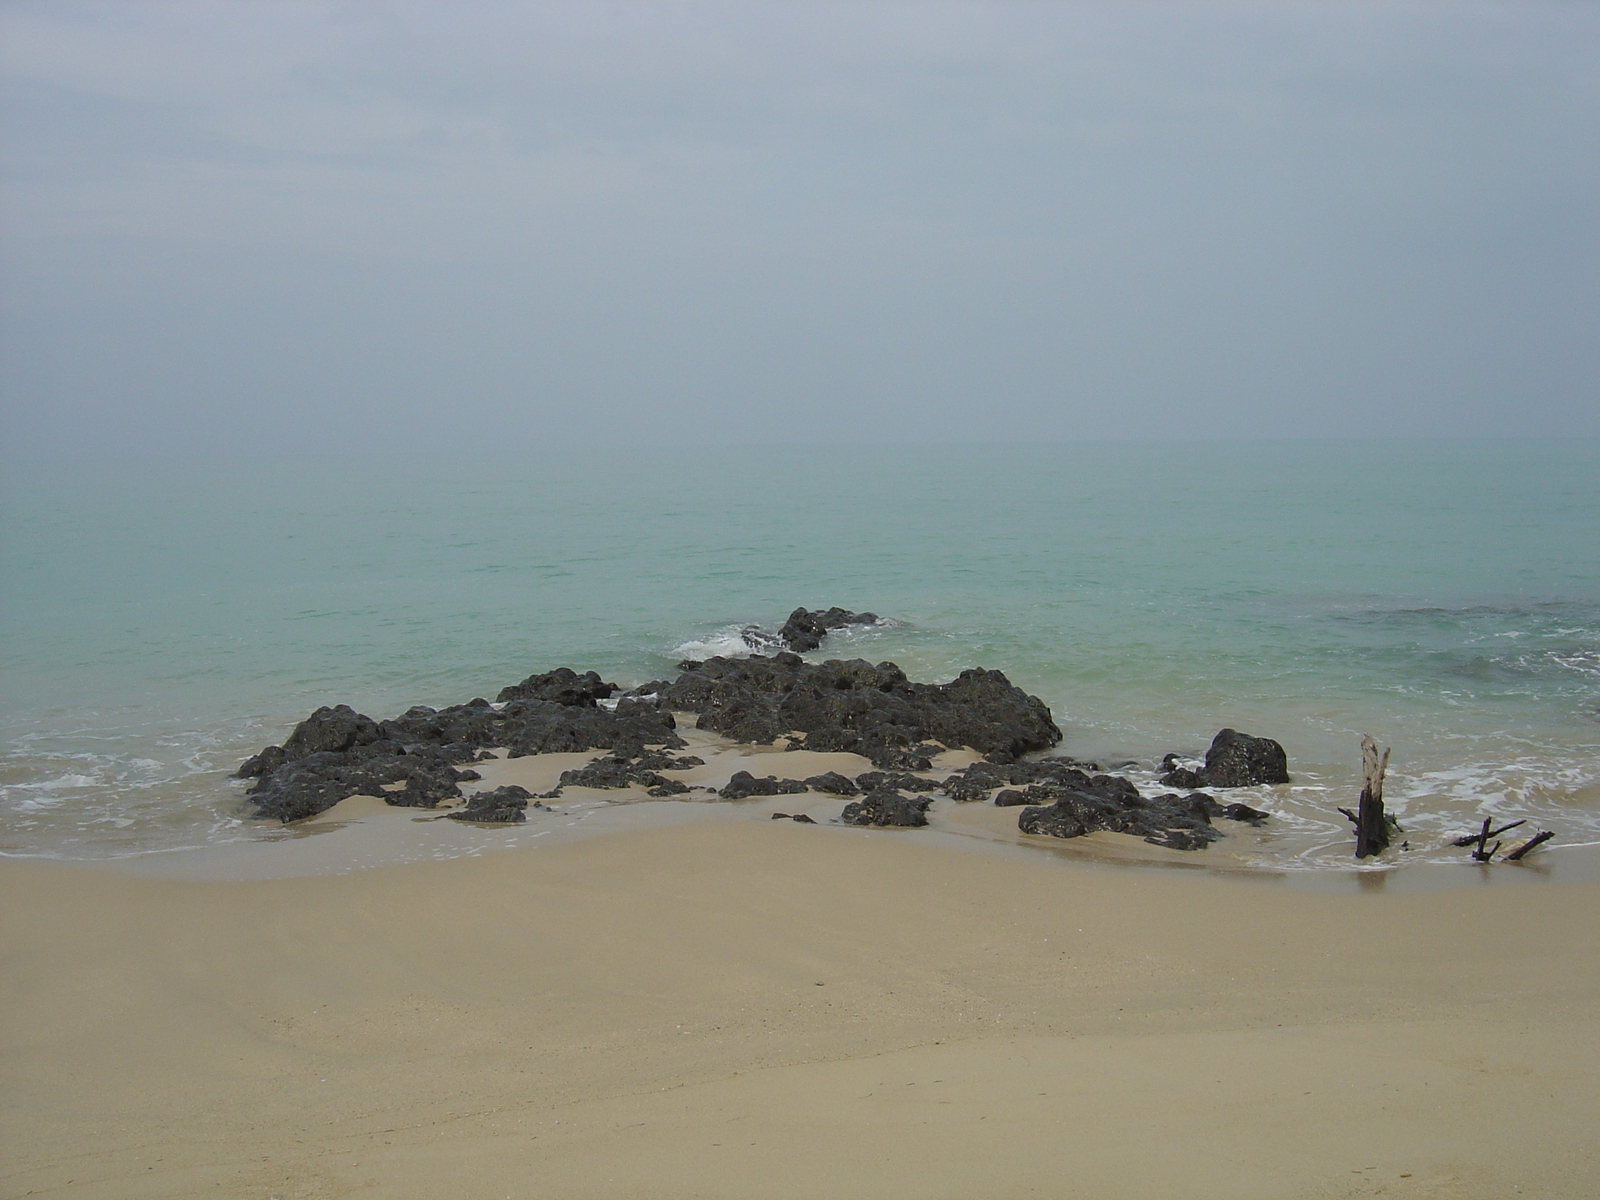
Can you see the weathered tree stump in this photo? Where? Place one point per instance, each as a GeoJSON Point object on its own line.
{"type": "Point", "coordinates": [1372, 826]}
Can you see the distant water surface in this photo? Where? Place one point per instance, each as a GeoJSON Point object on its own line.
{"type": "Point", "coordinates": [161, 621]}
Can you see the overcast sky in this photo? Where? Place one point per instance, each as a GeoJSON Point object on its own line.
{"type": "Point", "coordinates": [279, 225]}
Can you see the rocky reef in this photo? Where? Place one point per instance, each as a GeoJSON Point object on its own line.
{"type": "Point", "coordinates": [804, 630]}
{"type": "Point", "coordinates": [420, 758]}
{"type": "Point", "coordinates": [862, 708]}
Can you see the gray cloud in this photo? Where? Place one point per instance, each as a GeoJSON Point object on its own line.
{"type": "Point", "coordinates": [384, 224]}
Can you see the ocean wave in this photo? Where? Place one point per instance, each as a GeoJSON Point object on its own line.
{"type": "Point", "coordinates": [741, 641]}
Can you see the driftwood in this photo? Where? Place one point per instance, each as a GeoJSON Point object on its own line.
{"type": "Point", "coordinates": [1483, 835]}
{"type": "Point", "coordinates": [1372, 826]}
{"type": "Point", "coordinates": [1483, 852]}
{"type": "Point", "coordinates": [1537, 839]}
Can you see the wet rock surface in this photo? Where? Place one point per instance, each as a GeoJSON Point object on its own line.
{"type": "Point", "coordinates": [503, 806]}
{"type": "Point", "coordinates": [833, 783]}
{"type": "Point", "coordinates": [743, 785]}
{"type": "Point", "coordinates": [624, 770]}
{"type": "Point", "coordinates": [862, 708]}
{"type": "Point", "coordinates": [887, 807]}
{"type": "Point", "coordinates": [804, 630]}
{"type": "Point", "coordinates": [980, 779]}
{"type": "Point", "coordinates": [1234, 760]}
{"type": "Point", "coordinates": [417, 759]}
{"type": "Point", "coordinates": [336, 752]}
{"type": "Point", "coordinates": [1112, 803]}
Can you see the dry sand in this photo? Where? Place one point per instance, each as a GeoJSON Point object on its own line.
{"type": "Point", "coordinates": [770, 1010]}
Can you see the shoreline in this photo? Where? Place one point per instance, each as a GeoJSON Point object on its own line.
{"type": "Point", "coordinates": [877, 1015]}
{"type": "Point", "coordinates": [363, 832]}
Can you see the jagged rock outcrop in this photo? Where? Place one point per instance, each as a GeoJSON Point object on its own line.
{"type": "Point", "coordinates": [1112, 803]}
{"type": "Point", "coordinates": [1116, 805]}
{"type": "Point", "coordinates": [833, 783]}
{"type": "Point", "coordinates": [1234, 760]}
{"type": "Point", "coordinates": [804, 630]}
{"type": "Point", "coordinates": [561, 686]}
{"type": "Point", "coordinates": [855, 706]}
{"type": "Point", "coordinates": [743, 785]}
{"type": "Point", "coordinates": [337, 752]}
{"type": "Point", "coordinates": [862, 708]}
{"type": "Point", "coordinates": [504, 805]}
{"type": "Point", "coordinates": [316, 782]}
{"type": "Point", "coordinates": [980, 779]}
{"type": "Point", "coordinates": [900, 781]}
{"type": "Point", "coordinates": [620, 771]}
{"type": "Point", "coordinates": [885, 806]}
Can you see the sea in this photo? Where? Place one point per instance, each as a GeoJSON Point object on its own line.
{"type": "Point", "coordinates": [162, 620]}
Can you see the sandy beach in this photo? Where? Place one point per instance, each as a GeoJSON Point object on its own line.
{"type": "Point", "coordinates": [764, 1009]}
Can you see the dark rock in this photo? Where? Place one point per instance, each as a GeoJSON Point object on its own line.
{"type": "Point", "coordinates": [1234, 760]}
{"type": "Point", "coordinates": [1185, 777]}
{"type": "Point", "coordinates": [978, 780]}
{"type": "Point", "coordinates": [1053, 820]}
{"type": "Point", "coordinates": [648, 692]}
{"type": "Point", "coordinates": [312, 784]}
{"type": "Point", "coordinates": [1239, 760]}
{"type": "Point", "coordinates": [268, 761]}
{"type": "Point", "coordinates": [743, 785]}
{"type": "Point", "coordinates": [833, 783]}
{"type": "Point", "coordinates": [1112, 803]}
{"type": "Point", "coordinates": [326, 731]}
{"type": "Point", "coordinates": [1182, 839]}
{"type": "Point", "coordinates": [620, 770]}
{"type": "Point", "coordinates": [331, 730]}
{"type": "Point", "coordinates": [561, 686]}
{"type": "Point", "coordinates": [1011, 798]}
{"type": "Point", "coordinates": [504, 805]}
{"type": "Point", "coordinates": [902, 781]}
{"type": "Point", "coordinates": [862, 708]}
{"type": "Point", "coordinates": [1203, 803]}
{"type": "Point", "coordinates": [804, 630]}
{"type": "Point", "coordinates": [1243, 812]}
{"type": "Point", "coordinates": [802, 819]}
{"type": "Point", "coordinates": [544, 727]}
{"type": "Point", "coordinates": [887, 807]}
{"type": "Point", "coordinates": [337, 752]}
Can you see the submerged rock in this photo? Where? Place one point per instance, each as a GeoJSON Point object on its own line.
{"type": "Point", "coordinates": [1234, 760]}
{"type": "Point", "coordinates": [804, 630]}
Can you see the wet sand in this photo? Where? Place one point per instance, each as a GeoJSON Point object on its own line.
{"type": "Point", "coordinates": [755, 1008]}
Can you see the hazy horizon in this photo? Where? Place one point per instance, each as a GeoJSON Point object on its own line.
{"type": "Point", "coordinates": [251, 228]}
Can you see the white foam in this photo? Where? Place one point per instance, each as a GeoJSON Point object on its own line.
{"type": "Point", "coordinates": [731, 641]}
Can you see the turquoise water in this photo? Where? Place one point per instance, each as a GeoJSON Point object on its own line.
{"type": "Point", "coordinates": [161, 621]}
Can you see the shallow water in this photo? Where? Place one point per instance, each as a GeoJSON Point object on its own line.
{"type": "Point", "coordinates": [162, 621]}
